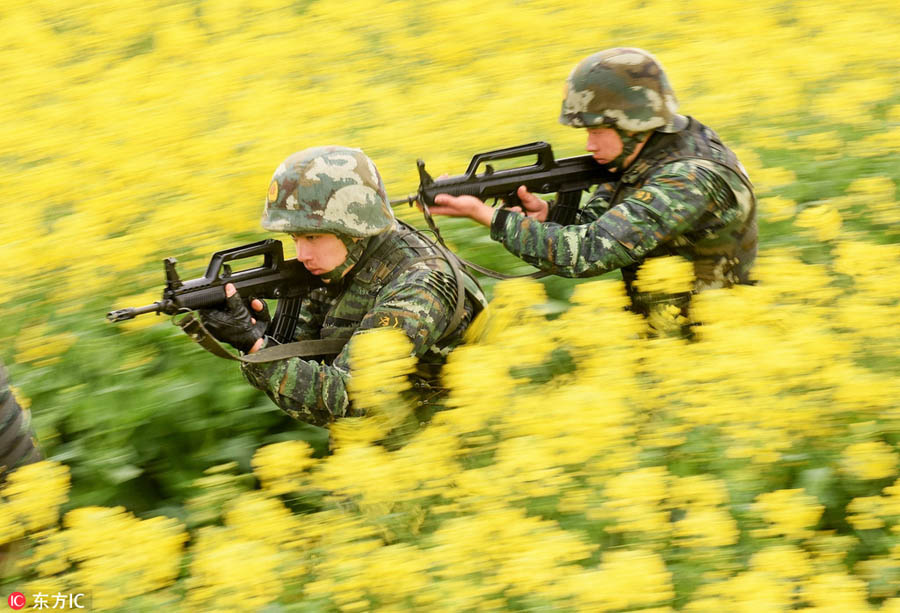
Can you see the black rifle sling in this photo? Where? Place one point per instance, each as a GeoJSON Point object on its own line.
{"type": "Point", "coordinates": [194, 328]}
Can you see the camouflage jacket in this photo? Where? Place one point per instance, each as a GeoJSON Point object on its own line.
{"type": "Point", "coordinates": [402, 281]}
{"type": "Point", "coordinates": [17, 443]}
{"type": "Point", "coordinates": [686, 194]}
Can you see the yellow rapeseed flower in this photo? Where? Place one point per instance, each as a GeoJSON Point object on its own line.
{"type": "Point", "coordinates": [823, 221]}
{"type": "Point", "coordinates": [869, 460]}
{"type": "Point", "coordinates": [37, 343]}
{"type": "Point", "coordinates": [670, 275]}
{"type": "Point", "coordinates": [747, 592]}
{"type": "Point", "coordinates": [864, 513]}
{"type": "Point", "coordinates": [279, 466]}
{"type": "Point", "coordinates": [118, 556]}
{"type": "Point", "coordinates": [381, 359]}
{"type": "Point", "coordinates": [881, 573]}
{"type": "Point", "coordinates": [34, 493]}
{"type": "Point", "coordinates": [698, 490]}
{"type": "Point", "coordinates": [777, 208]}
{"type": "Point", "coordinates": [768, 179]}
{"type": "Point", "coordinates": [256, 516]}
{"type": "Point", "coordinates": [220, 565]}
{"type": "Point", "coordinates": [705, 528]}
{"type": "Point", "coordinates": [10, 527]}
{"type": "Point", "coordinates": [789, 513]}
{"type": "Point", "coordinates": [627, 579]}
{"type": "Point", "coordinates": [836, 591]}
{"type": "Point", "coordinates": [636, 503]}
{"type": "Point", "coordinates": [786, 561]}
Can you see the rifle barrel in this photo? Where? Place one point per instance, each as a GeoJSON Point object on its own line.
{"type": "Point", "coordinates": [405, 200]}
{"type": "Point", "coordinates": [132, 312]}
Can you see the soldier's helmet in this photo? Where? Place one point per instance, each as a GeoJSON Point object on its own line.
{"type": "Point", "coordinates": [334, 190]}
{"type": "Point", "coordinates": [623, 87]}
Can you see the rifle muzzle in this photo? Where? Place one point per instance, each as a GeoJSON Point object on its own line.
{"type": "Point", "coordinates": [410, 200]}
{"type": "Point", "coordinates": [132, 312]}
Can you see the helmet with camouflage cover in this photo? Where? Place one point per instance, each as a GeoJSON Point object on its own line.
{"type": "Point", "coordinates": [624, 88]}
{"type": "Point", "coordinates": [334, 190]}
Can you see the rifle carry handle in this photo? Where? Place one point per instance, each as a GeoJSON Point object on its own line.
{"type": "Point", "coordinates": [542, 149]}
{"type": "Point", "coordinates": [270, 248]}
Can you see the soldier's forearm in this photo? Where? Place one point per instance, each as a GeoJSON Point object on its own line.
{"type": "Point", "coordinates": [568, 251]}
{"type": "Point", "coordinates": [308, 391]}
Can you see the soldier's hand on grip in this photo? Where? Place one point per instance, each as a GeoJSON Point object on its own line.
{"type": "Point", "coordinates": [234, 324]}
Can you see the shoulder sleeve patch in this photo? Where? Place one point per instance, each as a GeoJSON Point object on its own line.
{"type": "Point", "coordinates": [643, 196]}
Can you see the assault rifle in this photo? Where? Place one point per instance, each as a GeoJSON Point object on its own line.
{"type": "Point", "coordinates": [567, 178]}
{"type": "Point", "coordinates": [276, 278]}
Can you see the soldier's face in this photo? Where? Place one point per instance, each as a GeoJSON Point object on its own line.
{"type": "Point", "coordinates": [603, 144]}
{"type": "Point", "coordinates": [319, 253]}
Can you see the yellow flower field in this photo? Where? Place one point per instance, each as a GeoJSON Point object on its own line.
{"type": "Point", "coordinates": [586, 464]}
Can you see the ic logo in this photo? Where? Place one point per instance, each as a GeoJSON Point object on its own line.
{"type": "Point", "coordinates": [16, 600]}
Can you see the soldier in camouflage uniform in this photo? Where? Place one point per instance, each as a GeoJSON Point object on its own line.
{"type": "Point", "coordinates": [680, 190]}
{"type": "Point", "coordinates": [17, 443]}
{"type": "Point", "coordinates": [377, 272]}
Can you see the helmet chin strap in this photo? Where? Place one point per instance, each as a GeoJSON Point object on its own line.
{"type": "Point", "coordinates": [630, 142]}
{"type": "Point", "coordinates": [355, 249]}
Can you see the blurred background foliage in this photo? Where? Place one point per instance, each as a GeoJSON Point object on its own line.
{"type": "Point", "coordinates": [130, 132]}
